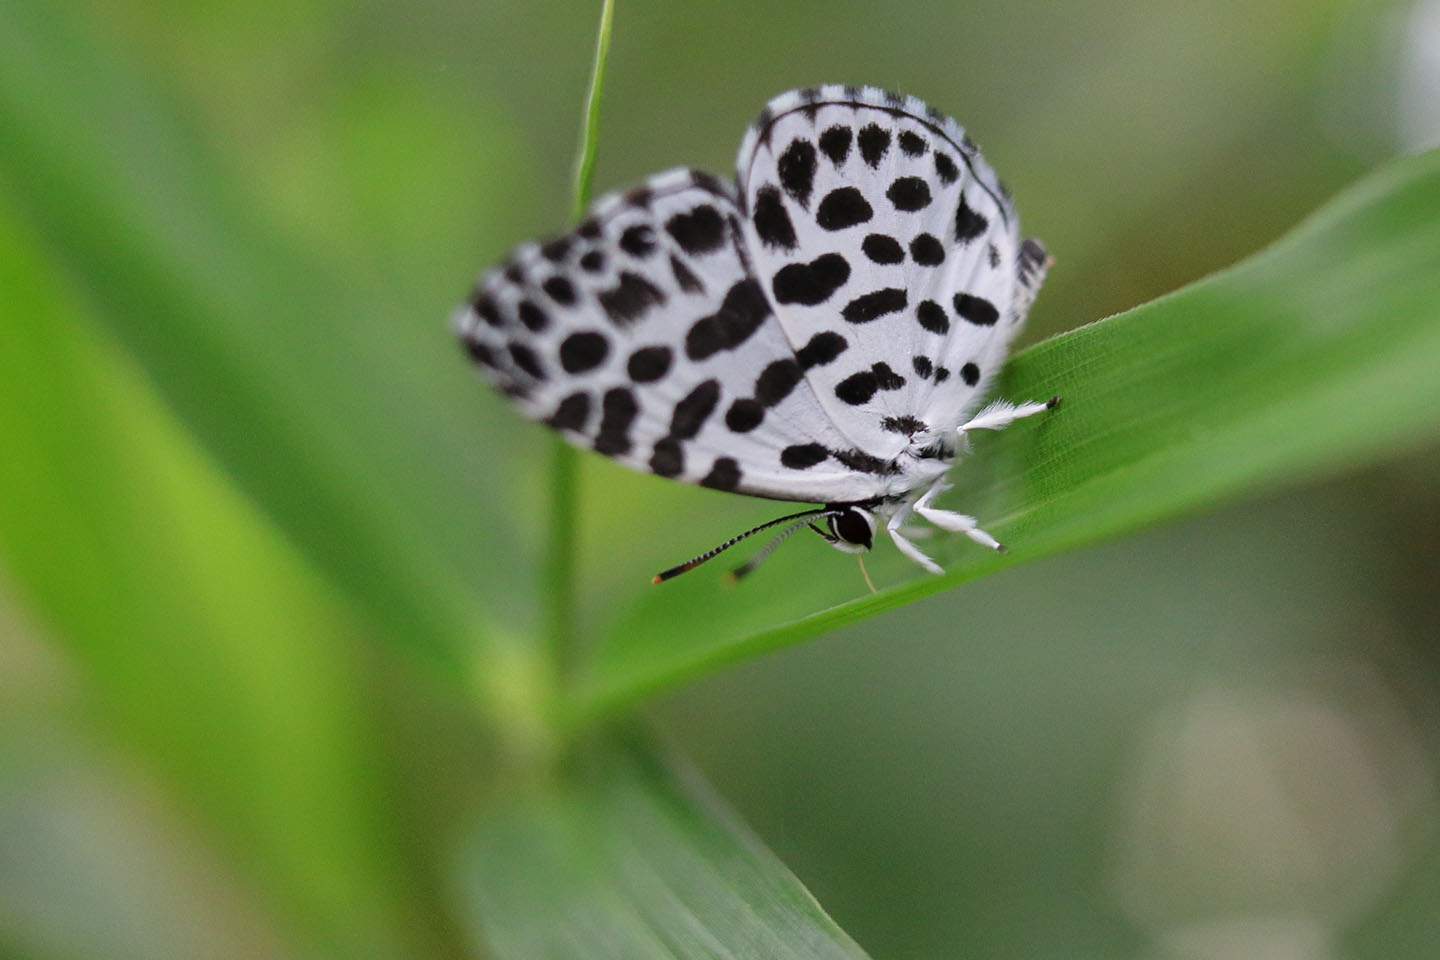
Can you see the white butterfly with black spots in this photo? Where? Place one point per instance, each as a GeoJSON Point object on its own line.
{"type": "Point", "coordinates": [824, 331]}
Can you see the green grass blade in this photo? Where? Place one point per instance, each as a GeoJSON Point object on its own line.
{"type": "Point", "coordinates": [201, 637]}
{"type": "Point", "coordinates": [590, 129]}
{"type": "Point", "coordinates": [1314, 356]}
{"type": "Point", "coordinates": [627, 859]}
{"type": "Point", "coordinates": [330, 405]}
{"type": "Point", "coordinates": [564, 480]}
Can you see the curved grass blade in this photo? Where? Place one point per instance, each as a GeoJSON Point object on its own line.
{"type": "Point", "coordinates": [630, 857]}
{"type": "Point", "coordinates": [203, 640]}
{"type": "Point", "coordinates": [313, 392]}
{"type": "Point", "coordinates": [564, 477]}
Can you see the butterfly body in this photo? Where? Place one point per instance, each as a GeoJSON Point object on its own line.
{"type": "Point", "coordinates": [824, 331]}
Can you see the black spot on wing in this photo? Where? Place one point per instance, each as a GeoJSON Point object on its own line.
{"type": "Point", "coordinates": [874, 143]}
{"type": "Point", "coordinates": [526, 360]}
{"type": "Point", "coordinates": [977, 310]}
{"type": "Point", "coordinates": [923, 366]}
{"type": "Point", "coordinates": [555, 250]}
{"type": "Point", "coordinates": [700, 231]}
{"type": "Point", "coordinates": [857, 388]}
{"type": "Point", "coordinates": [909, 194]}
{"type": "Point", "coordinates": [822, 348]}
{"type": "Point", "coordinates": [970, 374]}
{"type": "Point", "coordinates": [692, 412]}
{"type": "Point", "coordinates": [907, 425]}
{"type": "Point", "coordinates": [912, 143]}
{"type": "Point", "coordinates": [776, 381]}
{"type": "Point", "coordinates": [629, 298]}
{"type": "Point", "coordinates": [945, 168]}
{"type": "Point", "coordinates": [881, 248]}
{"type": "Point", "coordinates": [843, 207]}
{"type": "Point", "coordinates": [708, 182]}
{"type": "Point", "coordinates": [649, 364]}
{"type": "Point", "coordinates": [583, 351]}
{"type": "Point", "coordinates": [932, 316]}
{"type": "Point", "coordinates": [638, 240]}
{"type": "Point", "coordinates": [533, 316]}
{"type": "Point", "coordinates": [885, 378]}
{"type": "Point", "coordinates": [685, 278]}
{"type": "Point", "coordinates": [875, 304]}
{"type": "Point", "coordinates": [617, 412]}
{"type": "Point", "coordinates": [740, 315]}
{"type": "Point", "coordinates": [810, 283]}
{"type": "Point", "coordinates": [668, 459]}
{"type": "Point", "coordinates": [797, 170]}
{"type": "Point", "coordinates": [772, 223]}
{"type": "Point", "coordinates": [744, 415]}
{"type": "Point", "coordinates": [801, 456]}
{"type": "Point", "coordinates": [572, 413]}
{"type": "Point", "coordinates": [723, 475]}
{"type": "Point", "coordinates": [927, 250]}
{"type": "Point", "coordinates": [969, 223]}
{"type": "Point", "coordinates": [484, 307]}
{"type": "Point", "coordinates": [835, 143]}
{"type": "Point", "coordinates": [592, 261]}
{"type": "Point", "coordinates": [480, 353]}
{"type": "Point", "coordinates": [863, 462]}
{"type": "Point", "coordinates": [561, 290]}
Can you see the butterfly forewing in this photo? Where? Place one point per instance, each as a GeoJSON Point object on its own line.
{"type": "Point", "coordinates": [644, 335]}
{"type": "Point", "coordinates": [817, 339]}
{"type": "Point", "coordinates": [875, 219]}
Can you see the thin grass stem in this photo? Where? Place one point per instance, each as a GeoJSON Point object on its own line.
{"type": "Point", "coordinates": [559, 573]}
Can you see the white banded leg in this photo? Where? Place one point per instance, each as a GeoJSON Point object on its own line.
{"type": "Point", "coordinates": [903, 544]}
{"type": "Point", "coordinates": [950, 520]}
{"type": "Point", "coordinates": [1001, 413]}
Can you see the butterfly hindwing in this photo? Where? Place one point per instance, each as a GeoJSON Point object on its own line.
{"type": "Point", "coordinates": [644, 335]}
{"type": "Point", "coordinates": [871, 216]}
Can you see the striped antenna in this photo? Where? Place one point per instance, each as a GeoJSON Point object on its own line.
{"type": "Point", "coordinates": [800, 519]}
{"type": "Point", "coordinates": [749, 565]}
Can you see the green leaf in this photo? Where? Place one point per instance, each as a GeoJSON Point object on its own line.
{"type": "Point", "coordinates": [625, 857]}
{"type": "Point", "coordinates": [1317, 355]}
{"type": "Point", "coordinates": [333, 406]}
{"type": "Point", "coordinates": [203, 639]}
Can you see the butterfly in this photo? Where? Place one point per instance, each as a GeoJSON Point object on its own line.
{"type": "Point", "coordinates": [824, 331]}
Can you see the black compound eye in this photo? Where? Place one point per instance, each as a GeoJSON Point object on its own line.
{"type": "Point", "coordinates": [852, 527]}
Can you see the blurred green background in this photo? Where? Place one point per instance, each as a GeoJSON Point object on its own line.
{"type": "Point", "coordinates": [1214, 739]}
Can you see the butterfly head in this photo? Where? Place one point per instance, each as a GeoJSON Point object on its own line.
{"type": "Point", "coordinates": [852, 528]}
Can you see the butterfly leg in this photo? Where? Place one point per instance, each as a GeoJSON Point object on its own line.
{"type": "Point", "coordinates": [950, 520]}
{"type": "Point", "coordinates": [904, 545]}
{"type": "Point", "coordinates": [1001, 413]}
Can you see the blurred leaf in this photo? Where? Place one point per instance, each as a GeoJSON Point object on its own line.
{"type": "Point", "coordinates": [313, 391]}
{"type": "Point", "coordinates": [625, 858]}
{"type": "Point", "coordinates": [202, 640]}
{"type": "Point", "coordinates": [1314, 356]}
{"type": "Point", "coordinates": [94, 865]}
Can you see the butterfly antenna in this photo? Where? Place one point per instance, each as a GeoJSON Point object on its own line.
{"type": "Point", "coordinates": [800, 519]}
{"type": "Point", "coordinates": [749, 565]}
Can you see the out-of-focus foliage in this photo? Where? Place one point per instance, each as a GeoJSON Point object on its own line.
{"type": "Point", "coordinates": [265, 544]}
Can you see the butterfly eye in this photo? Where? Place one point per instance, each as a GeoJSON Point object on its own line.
{"type": "Point", "coordinates": [854, 526]}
